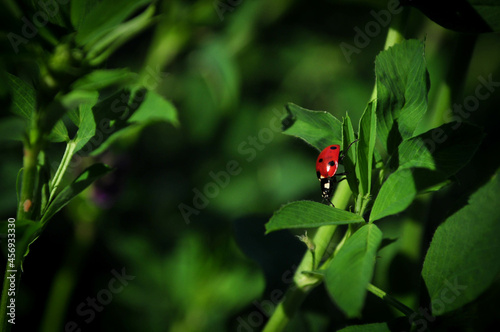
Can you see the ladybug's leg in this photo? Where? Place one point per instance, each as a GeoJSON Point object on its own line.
{"type": "Point", "coordinates": [340, 174]}
{"type": "Point", "coordinates": [336, 180]}
{"type": "Point", "coordinates": [343, 154]}
{"type": "Point", "coordinates": [328, 201]}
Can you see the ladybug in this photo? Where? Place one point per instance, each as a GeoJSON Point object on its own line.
{"type": "Point", "coordinates": [326, 169]}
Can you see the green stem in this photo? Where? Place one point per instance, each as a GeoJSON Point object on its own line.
{"type": "Point", "coordinates": [24, 212]}
{"type": "Point", "coordinates": [390, 300]}
{"type": "Point", "coordinates": [25, 207]}
{"type": "Point", "coordinates": [305, 282]}
{"type": "Point", "coordinates": [61, 170]}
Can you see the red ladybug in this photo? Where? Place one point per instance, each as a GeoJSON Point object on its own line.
{"type": "Point", "coordinates": [326, 169]}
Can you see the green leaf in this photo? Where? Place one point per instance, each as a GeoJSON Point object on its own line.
{"type": "Point", "coordinates": [320, 129]}
{"type": "Point", "coordinates": [402, 86]}
{"type": "Point", "coordinates": [155, 108]}
{"type": "Point", "coordinates": [308, 214]}
{"type": "Point", "coordinates": [23, 98]}
{"type": "Point", "coordinates": [12, 128]}
{"type": "Point", "coordinates": [84, 119]}
{"type": "Point", "coordinates": [351, 270]}
{"type": "Point", "coordinates": [59, 133]}
{"type": "Point", "coordinates": [446, 149]}
{"type": "Point", "coordinates": [462, 261]}
{"type": "Point", "coordinates": [103, 78]}
{"type": "Point", "coordinates": [366, 146]}
{"type": "Point", "coordinates": [396, 194]}
{"type": "Point", "coordinates": [145, 108]}
{"type": "Point", "coordinates": [104, 16]}
{"type": "Point", "coordinates": [50, 116]}
{"type": "Point", "coordinates": [374, 327]}
{"type": "Point", "coordinates": [85, 179]}
{"type": "Point", "coordinates": [471, 16]}
{"type": "Point", "coordinates": [489, 11]}
{"type": "Point", "coordinates": [425, 163]}
{"type": "Point", "coordinates": [73, 99]}
{"type": "Point", "coordinates": [54, 12]}
{"type": "Point", "coordinates": [101, 49]}
{"type": "Point", "coordinates": [110, 115]}
{"type": "Point", "coordinates": [349, 165]}
{"type": "Point", "coordinates": [27, 231]}
{"type": "Point", "coordinates": [80, 10]}
{"type": "Point", "coordinates": [54, 112]}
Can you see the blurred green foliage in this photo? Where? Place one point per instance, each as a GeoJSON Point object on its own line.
{"type": "Point", "coordinates": [229, 79]}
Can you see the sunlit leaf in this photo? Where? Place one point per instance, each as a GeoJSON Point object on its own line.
{"type": "Point", "coordinates": [396, 194]}
{"type": "Point", "coordinates": [351, 270]}
{"type": "Point", "coordinates": [308, 214]}
{"type": "Point", "coordinates": [84, 119]}
{"type": "Point", "coordinates": [402, 86]}
{"type": "Point", "coordinates": [320, 129]}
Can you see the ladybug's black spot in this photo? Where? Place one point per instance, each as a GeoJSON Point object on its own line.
{"type": "Point", "coordinates": [331, 163]}
{"type": "Point", "coordinates": [318, 174]}
{"type": "Point", "coordinates": [320, 161]}
{"type": "Point", "coordinates": [333, 148]}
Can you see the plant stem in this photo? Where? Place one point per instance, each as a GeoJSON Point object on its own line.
{"type": "Point", "coordinates": [305, 282]}
{"type": "Point", "coordinates": [61, 170]}
{"type": "Point", "coordinates": [24, 212]}
{"type": "Point", "coordinates": [390, 300]}
{"type": "Point", "coordinates": [26, 204]}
